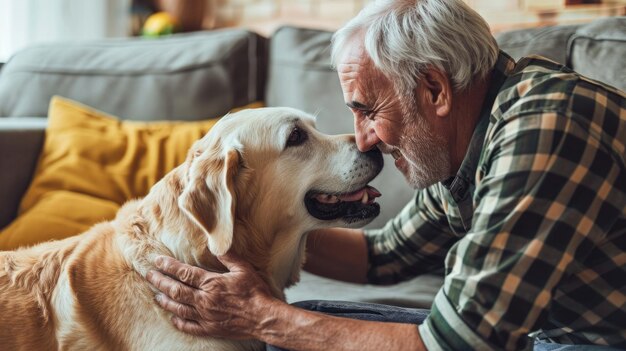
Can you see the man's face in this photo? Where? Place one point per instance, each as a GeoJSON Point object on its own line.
{"type": "Point", "coordinates": [392, 122]}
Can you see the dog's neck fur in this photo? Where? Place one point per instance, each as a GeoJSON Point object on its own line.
{"type": "Point", "coordinates": [148, 234]}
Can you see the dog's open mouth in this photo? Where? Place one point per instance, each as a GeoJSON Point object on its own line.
{"type": "Point", "coordinates": [353, 206]}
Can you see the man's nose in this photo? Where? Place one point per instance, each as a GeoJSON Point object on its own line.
{"type": "Point", "coordinates": [366, 138]}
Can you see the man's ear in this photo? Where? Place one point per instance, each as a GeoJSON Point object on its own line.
{"type": "Point", "coordinates": [209, 198]}
{"type": "Point", "coordinates": [438, 91]}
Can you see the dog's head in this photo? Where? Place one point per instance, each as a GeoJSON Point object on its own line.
{"type": "Point", "coordinates": [273, 169]}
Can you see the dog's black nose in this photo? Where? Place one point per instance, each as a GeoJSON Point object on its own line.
{"type": "Point", "coordinates": [375, 155]}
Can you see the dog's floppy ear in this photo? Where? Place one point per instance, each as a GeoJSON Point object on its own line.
{"type": "Point", "coordinates": [208, 198]}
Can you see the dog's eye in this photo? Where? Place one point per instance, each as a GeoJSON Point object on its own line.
{"type": "Point", "coordinates": [297, 137]}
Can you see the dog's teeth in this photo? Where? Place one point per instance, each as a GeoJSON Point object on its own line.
{"type": "Point", "coordinates": [327, 198]}
{"type": "Point", "coordinates": [365, 198]}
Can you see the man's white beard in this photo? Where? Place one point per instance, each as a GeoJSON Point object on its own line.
{"type": "Point", "coordinates": [425, 152]}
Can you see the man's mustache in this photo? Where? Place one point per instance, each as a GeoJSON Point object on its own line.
{"type": "Point", "coordinates": [384, 148]}
{"type": "Point", "coordinates": [388, 149]}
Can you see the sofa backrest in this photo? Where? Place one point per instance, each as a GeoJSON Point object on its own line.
{"type": "Point", "coordinates": [596, 50]}
{"type": "Point", "coordinates": [182, 77]}
{"type": "Point", "coordinates": [550, 42]}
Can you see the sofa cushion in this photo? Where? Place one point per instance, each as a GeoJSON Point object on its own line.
{"type": "Point", "coordinates": [598, 51]}
{"type": "Point", "coordinates": [91, 163]}
{"type": "Point", "coordinates": [300, 75]}
{"type": "Point", "coordinates": [415, 293]}
{"type": "Point", "coordinates": [182, 77]}
{"type": "Point", "coordinates": [550, 42]}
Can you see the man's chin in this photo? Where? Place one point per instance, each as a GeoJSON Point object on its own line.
{"type": "Point", "coordinates": [418, 178]}
{"type": "Point", "coordinates": [411, 176]}
{"type": "Point", "coordinates": [417, 183]}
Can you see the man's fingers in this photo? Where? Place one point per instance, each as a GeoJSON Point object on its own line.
{"type": "Point", "coordinates": [188, 326]}
{"type": "Point", "coordinates": [172, 288]}
{"type": "Point", "coordinates": [190, 275]}
{"type": "Point", "coordinates": [178, 309]}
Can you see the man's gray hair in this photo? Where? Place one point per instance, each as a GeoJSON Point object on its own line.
{"type": "Point", "coordinates": [405, 37]}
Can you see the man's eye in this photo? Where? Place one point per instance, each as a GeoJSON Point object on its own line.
{"type": "Point", "coordinates": [367, 114]}
{"type": "Point", "coordinates": [297, 137]}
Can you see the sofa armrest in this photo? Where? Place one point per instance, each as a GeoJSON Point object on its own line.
{"type": "Point", "coordinates": [21, 140]}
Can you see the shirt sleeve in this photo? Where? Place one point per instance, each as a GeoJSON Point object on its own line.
{"type": "Point", "coordinates": [550, 193]}
{"type": "Point", "coordinates": [416, 241]}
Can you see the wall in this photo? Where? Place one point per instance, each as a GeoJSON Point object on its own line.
{"type": "Point", "coordinates": [265, 15]}
{"type": "Point", "coordinates": [28, 22]}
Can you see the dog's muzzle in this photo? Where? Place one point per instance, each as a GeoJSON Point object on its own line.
{"type": "Point", "coordinates": [352, 205]}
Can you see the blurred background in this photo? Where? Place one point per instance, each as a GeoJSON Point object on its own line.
{"type": "Point", "coordinates": [26, 22]}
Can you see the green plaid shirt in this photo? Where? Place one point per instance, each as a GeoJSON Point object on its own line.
{"type": "Point", "coordinates": [532, 229]}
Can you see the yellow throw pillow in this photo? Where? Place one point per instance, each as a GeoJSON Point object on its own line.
{"type": "Point", "coordinates": [91, 163]}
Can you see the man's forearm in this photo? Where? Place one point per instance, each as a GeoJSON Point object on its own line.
{"type": "Point", "coordinates": [295, 329]}
{"type": "Point", "coordinates": [337, 253]}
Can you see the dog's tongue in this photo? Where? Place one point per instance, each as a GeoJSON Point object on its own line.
{"type": "Point", "coordinates": [358, 195]}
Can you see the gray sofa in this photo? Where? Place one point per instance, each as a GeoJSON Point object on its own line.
{"type": "Point", "coordinates": [200, 75]}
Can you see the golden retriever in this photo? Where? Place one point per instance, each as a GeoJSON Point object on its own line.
{"type": "Point", "coordinates": [265, 173]}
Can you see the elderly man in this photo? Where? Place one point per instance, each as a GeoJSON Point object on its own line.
{"type": "Point", "coordinates": [522, 195]}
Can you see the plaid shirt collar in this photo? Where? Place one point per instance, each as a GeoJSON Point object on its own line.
{"type": "Point", "coordinates": [462, 184]}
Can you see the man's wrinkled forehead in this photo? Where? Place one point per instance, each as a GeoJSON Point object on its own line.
{"type": "Point", "coordinates": [357, 75]}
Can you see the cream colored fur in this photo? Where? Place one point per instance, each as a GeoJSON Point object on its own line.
{"type": "Point", "coordinates": [239, 189]}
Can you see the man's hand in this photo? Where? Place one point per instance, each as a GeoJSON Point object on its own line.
{"type": "Point", "coordinates": [239, 305]}
{"type": "Point", "coordinates": [204, 303]}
